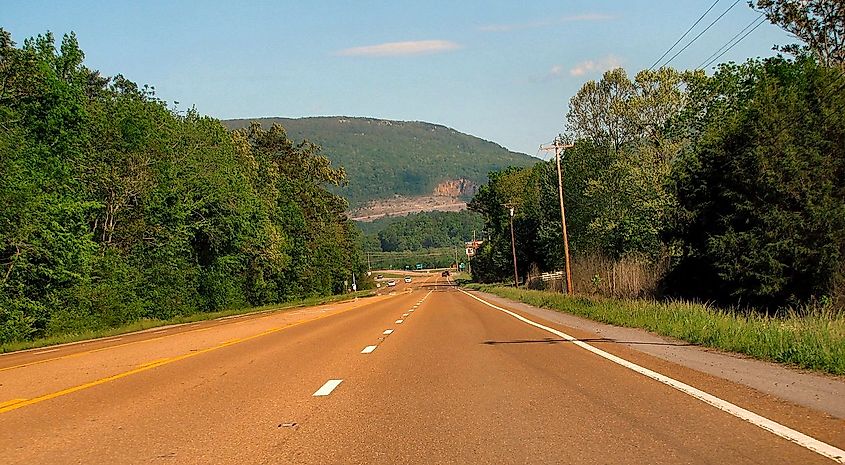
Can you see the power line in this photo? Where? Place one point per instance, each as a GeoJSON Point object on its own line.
{"type": "Point", "coordinates": [734, 44]}
{"type": "Point", "coordinates": [685, 34]}
{"type": "Point", "coordinates": [702, 32]}
{"type": "Point", "coordinates": [722, 50]}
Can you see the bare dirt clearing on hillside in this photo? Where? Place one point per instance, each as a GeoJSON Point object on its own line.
{"type": "Point", "coordinates": [400, 206]}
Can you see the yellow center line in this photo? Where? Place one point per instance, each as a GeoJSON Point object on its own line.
{"type": "Point", "coordinates": [11, 402]}
{"type": "Point", "coordinates": [101, 349]}
{"type": "Point", "coordinates": [19, 403]}
{"type": "Point", "coordinates": [154, 362]}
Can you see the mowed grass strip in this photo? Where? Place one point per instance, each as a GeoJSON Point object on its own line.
{"type": "Point", "coordinates": [141, 325]}
{"type": "Point", "coordinates": [814, 341]}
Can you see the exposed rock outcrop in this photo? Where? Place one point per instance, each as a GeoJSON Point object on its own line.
{"type": "Point", "coordinates": [456, 188]}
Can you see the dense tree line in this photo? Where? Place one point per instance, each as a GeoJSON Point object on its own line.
{"type": "Point", "coordinates": [443, 257]}
{"type": "Point", "coordinates": [418, 231]}
{"type": "Point", "coordinates": [117, 208]}
{"type": "Point", "coordinates": [737, 179]}
{"type": "Point", "coordinates": [761, 190]}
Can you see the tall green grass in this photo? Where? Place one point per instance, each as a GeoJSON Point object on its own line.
{"type": "Point", "coordinates": [812, 339]}
{"type": "Point", "coordinates": [140, 325]}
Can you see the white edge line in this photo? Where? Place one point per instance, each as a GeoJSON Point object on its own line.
{"type": "Point", "coordinates": [831, 452]}
{"type": "Point", "coordinates": [368, 349]}
{"type": "Point", "coordinates": [328, 387]}
{"type": "Point", "coordinates": [387, 332]}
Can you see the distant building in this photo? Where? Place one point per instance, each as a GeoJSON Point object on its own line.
{"type": "Point", "coordinates": [472, 246]}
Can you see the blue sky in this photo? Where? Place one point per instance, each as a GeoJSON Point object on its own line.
{"type": "Point", "coordinates": [500, 70]}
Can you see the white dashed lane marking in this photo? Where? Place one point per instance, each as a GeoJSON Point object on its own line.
{"type": "Point", "coordinates": [387, 332]}
{"type": "Point", "coordinates": [368, 349]}
{"type": "Point", "coordinates": [399, 322]}
{"type": "Point", "coordinates": [328, 387]}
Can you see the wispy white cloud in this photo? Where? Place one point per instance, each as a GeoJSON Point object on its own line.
{"type": "Point", "coordinates": [556, 71]}
{"type": "Point", "coordinates": [418, 47]}
{"type": "Point", "coordinates": [545, 22]}
{"type": "Point", "coordinates": [590, 66]}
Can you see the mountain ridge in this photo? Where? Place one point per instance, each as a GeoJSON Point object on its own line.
{"type": "Point", "coordinates": [388, 158]}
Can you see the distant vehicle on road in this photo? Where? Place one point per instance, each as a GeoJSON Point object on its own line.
{"type": "Point", "coordinates": [445, 273]}
{"type": "Point", "coordinates": [391, 283]}
{"type": "Point", "coordinates": [381, 276]}
{"type": "Point", "coordinates": [407, 279]}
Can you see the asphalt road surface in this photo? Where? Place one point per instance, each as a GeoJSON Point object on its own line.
{"type": "Point", "coordinates": [426, 375]}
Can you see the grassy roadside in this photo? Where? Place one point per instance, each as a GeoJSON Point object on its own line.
{"type": "Point", "coordinates": [147, 324]}
{"type": "Point", "coordinates": [814, 342]}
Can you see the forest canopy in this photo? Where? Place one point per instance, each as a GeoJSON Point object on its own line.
{"type": "Point", "coordinates": [117, 208]}
{"type": "Point", "coordinates": [735, 180]}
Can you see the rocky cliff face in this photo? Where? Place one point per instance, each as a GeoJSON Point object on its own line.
{"type": "Point", "coordinates": [456, 188]}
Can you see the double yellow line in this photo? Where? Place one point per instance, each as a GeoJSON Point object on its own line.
{"type": "Point", "coordinates": [15, 404]}
{"type": "Point", "coordinates": [117, 346]}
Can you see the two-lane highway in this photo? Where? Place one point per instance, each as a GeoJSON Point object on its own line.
{"type": "Point", "coordinates": [429, 376]}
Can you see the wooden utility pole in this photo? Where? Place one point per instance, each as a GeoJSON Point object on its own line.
{"type": "Point", "coordinates": [513, 249]}
{"type": "Point", "coordinates": [559, 146]}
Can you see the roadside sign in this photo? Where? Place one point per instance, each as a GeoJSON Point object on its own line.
{"type": "Point", "coordinates": [419, 266]}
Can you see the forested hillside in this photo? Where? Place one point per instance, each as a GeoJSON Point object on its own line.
{"type": "Point", "coordinates": [383, 158]}
{"type": "Point", "coordinates": [116, 208]}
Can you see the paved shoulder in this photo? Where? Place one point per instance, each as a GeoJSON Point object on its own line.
{"type": "Point", "coordinates": [816, 391]}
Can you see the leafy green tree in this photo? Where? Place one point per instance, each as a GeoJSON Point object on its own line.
{"type": "Point", "coordinates": [117, 208]}
{"type": "Point", "coordinates": [45, 245]}
{"type": "Point", "coordinates": [617, 174]}
{"type": "Point", "coordinates": [762, 192]}
{"type": "Point", "coordinates": [819, 24]}
{"type": "Point", "coordinates": [522, 189]}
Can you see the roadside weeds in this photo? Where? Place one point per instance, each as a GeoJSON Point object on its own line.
{"type": "Point", "coordinates": [815, 342]}
{"type": "Point", "coordinates": [192, 318]}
